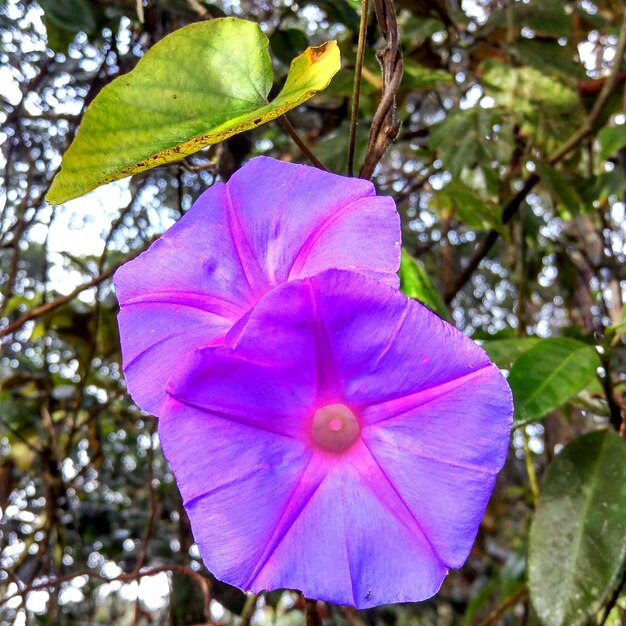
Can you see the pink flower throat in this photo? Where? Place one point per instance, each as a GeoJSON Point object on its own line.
{"type": "Point", "coordinates": [335, 428]}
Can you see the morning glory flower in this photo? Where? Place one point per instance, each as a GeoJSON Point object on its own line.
{"type": "Point", "coordinates": [343, 441]}
{"type": "Point", "coordinates": [272, 222]}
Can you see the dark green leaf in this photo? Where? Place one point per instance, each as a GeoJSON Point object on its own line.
{"type": "Point", "coordinates": [612, 139]}
{"type": "Point", "coordinates": [560, 188]}
{"type": "Point", "coordinates": [467, 138]}
{"type": "Point", "coordinates": [546, 108]}
{"type": "Point", "coordinates": [70, 15]}
{"type": "Point", "coordinates": [461, 202]}
{"type": "Point", "coordinates": [418, 77]}
{"type": "Point", "coordinates": [544, 18]}
{"type": "Point", "coordinates": [287, 42]}
{"type": "Point", "coordinates": [548, 57]}
{"type": "Point", "coordinates": [504, 352]}
{"type": "Point", "coordinates": [549, 374]}
{"type": "Point", "coordinates": [576, 544]}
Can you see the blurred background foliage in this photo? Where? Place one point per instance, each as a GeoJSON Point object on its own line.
{"type": "Point", "coordinates": [508, 169]}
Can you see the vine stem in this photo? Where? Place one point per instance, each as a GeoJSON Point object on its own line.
{"type": "Point", "coordinates": [499, 610]}
{"type": "Point", "coordinates": [291, 131]}
{"type": "Point", "coordinates": [356, 92]}
{"type": "Point", "coordinates": [248, 609]}
{"type": "Point", "coordinates": [530, 468]}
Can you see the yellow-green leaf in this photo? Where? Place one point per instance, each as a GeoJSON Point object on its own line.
{"type": "Point", "coordinates": [197, 86]}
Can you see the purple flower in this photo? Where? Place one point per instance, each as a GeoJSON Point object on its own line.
{"type": "Point", "coordinates": [272, 222]}
{"type": "Point", "coordinates": [343, 441]}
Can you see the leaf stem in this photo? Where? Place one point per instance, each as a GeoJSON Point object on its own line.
{"type": "Point", "coordinates": [530, 467]}
{"type": "Point", "coordinates": [291, 131]}
{"type": "Point", "coordinates": [356, 92]}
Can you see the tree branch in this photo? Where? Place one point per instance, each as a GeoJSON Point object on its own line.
{"type": "Point", "coordinates": [48, 307]}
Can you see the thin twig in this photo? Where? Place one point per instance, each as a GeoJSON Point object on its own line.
{"type": "Point", "coordinates": [499, 610]}
{"type": "Point", "coordinates": [613, 600]}
{"type": "Point", "coordinates": [356, 92]}
{"type": "Point", "coordinates": [291, 131]}
{"type": "Point", "coordinates": [576, 138]}
{"type": "Point", "coordinates": [530, 467]}
{"type": "Point", "coordinates": [154, 504]}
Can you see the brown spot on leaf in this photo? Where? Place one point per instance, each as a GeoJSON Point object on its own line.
{"type": "Point", "coordinates": [317, 52]}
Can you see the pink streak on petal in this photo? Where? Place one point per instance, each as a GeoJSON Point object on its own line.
{"type": "Point", "coordinates": [456, 443]}
{"type": "Point", "coordinates": [304, 490]}
{"type": "Point", "coordinates": [396, 407]}
{"type": "Point", "coordinates": [386, 346]}
{"type": "Point", "coordinates": [238, 388]}
{"type": "Point", "coordinates": [298, 215]}
{"type": "Point", "coordinates": [343, 545]}
{"type": "Point", "coordinates": [156, 337]}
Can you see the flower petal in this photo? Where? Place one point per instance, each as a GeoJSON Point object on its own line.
{"type": "Point", "coordinates": [353, 542]}
{"type": "Point", "coordinates": [272, 222]}
{"type": "Point", "coordinates": [382, 520]}
{"type": "Point", "coordinates": [456, 444]}
{"type": "Point", "coordinates": [228, 473]}
{"type": "Point", "coordinates": [300, 220]}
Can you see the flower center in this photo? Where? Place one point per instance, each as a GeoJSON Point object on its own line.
{"type": "Point", "coordinates": [335, 427]}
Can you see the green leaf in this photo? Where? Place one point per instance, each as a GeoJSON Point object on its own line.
{"type": "Point", "coordinates": [544, 18]}
{"type": "Point", "coordinates": [504, 352]}
{"type": "Point", "coordinates": [286, 42]}
{"type": "Point", "coordinates": [57, 39]}
{"type": "Point", "coordinates": [417, 76]}
{"type": "Point", "coordinates": [547, 109]}
{"type": "Point", "coordinates": [549, 374]}
{"type": "Point", "coordinates": [415, 283]}
{"type": "Point", "coordinates": [416, 30]}
{"type": "Point", "coordinates": [467, 138]}
{"type": "Point", "coordinates": [549, 57]}
{"type": "Point", "coordinates": [460, 201]}
{"type": "Point", "coordinates": [197, 86]}
{"type": "Point", "coordinates": [71, 15]}
{"type": "Point", "coordinates": [612, 139]}
{"type": "Point", "coordinates": [560, 188]}
{"type": "Point", "coordinates": [576, 544]}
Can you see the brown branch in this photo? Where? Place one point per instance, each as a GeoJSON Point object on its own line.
{"type": "Point", "coordinates": [48, 307]}
{"type": "Point", "coordinates": [385, 126]}
{"type": "Point", "coordinates": [573, 142]}
{"type": "Point", "coordinates": [200, 580]}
